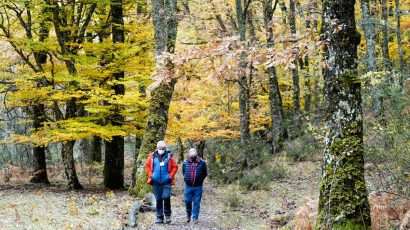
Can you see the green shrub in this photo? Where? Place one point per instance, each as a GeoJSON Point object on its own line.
{"type": "Point", "coordinates": [231, 201]}
{"type": "Point", "coordinates": [387, 135]}
{"type": "Point", "coordinates": [226, 158]}
{"type": "Point", "coordinates": [259, 178]}
{"type": "Point", "coordinates": [302, 148]}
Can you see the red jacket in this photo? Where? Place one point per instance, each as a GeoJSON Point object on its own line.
{"type": "Point", "coordinates": [172, 168]}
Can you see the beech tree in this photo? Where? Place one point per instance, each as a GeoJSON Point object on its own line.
{"type": "Point", "coordinates": [343, 202]}
{"type": "Point", "coordinates": [164, 18]}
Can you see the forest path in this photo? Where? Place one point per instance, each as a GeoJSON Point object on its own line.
{"type": "Point", "coordinates": [30, 206]}
{"type": "Point", "coordinates": [215, 212]}
{"type": "Point", "coordinates": [230, 207]}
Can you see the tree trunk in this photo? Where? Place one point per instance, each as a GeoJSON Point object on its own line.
{"type": "Point", "coordinates": [308, 87]}
{"type": "Point", "coordinates": [399, 43]}
{"type": "Point", "coordinates": [96, 149]}
{"type": "Point", "coordinates": [180, 150]}
{"type": "Point", "coordinates": [275, 99]}
{"type": "Point", "coordinates": [165, 22]}
{"type": "Point", "coordinates": [368, 28]}
{"type": "Point", "coordinates": [385, 41]}
{"type": "Point", "coordinates": [69, 165]}
{"type": "Point", "coordinates": [343, 202]}
{"type": "Point", "coordinates": [138, 142]}
{"type": "Point", "coordinates": [283, 9]}
{"type": "Point", "coordinates": [39, 113]}
{"type": "Point", "coordinates": [244, 114]}
{"type": "Point", "coordinates": [295, 74]}
{"type": "Point", "coordinates": [67, 152]}
{"type": "Point", "coordinates": [84, 148]}
{"type": "Point", "coordinates": [114, 149]}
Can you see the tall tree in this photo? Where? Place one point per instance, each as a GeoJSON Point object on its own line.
{"type": "Point", "coordinates": [23, 14]}
{"type": "Point", "coordinates": [343, 202]}
{"type": "Point", "coordinates": [368, 28]}
{"type": "Point", "coordinates": [242, 8]}
{"type": "Point", "coordinates": [295, 72]}
{"type": "Point", "coordinates": [385, 40]}
{"type": "Point", "coordinates": [275, 99]}
{"type": "Point", "coordinates": [70, 35]}
{"type": "Point", "coordinates": [114, 149]}
{"type": "Point", "coordinates": [164, 17]}
{"type": "Point", "coordinates": [399, 42]}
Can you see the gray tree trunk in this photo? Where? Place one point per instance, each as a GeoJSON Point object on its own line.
{"type": "Point", "coordinates": [368, 28]}
{"type": "Point", "coordinates": [244, 112]}
{"type": "Point", "coordinates": [399, 42]}
{"type": "Point", "coordinates": [385, 40]}
{"type": "Point", "coordinates": [69, 165]}
{"type": "Point", "coordinates": [96, 149]}
{"type": "Point", "coordinates": [275, 99]}
{"type": "Point", "coordinates": [343, 202]}
{"type": "Point", "coordinates": [180, 150]}
{"type": "Point", "coordinates": [295, 74]}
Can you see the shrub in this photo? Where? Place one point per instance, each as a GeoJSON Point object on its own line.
{"type": "Point", "coordinates": [259, 178]}
{"type": "Point", "coordinates": [226, 158]}
{"type": "Point", "coordinates": [302, 148]}
{"type": "Point", "coordinates": [231, 201]}
{"type": "Point", "coordinates": [387, 135]}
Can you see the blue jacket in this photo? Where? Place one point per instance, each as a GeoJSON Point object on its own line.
{"type": "Point", "coordinates": [160, 174]}
{"type": "Point", "coordinates": [194, 171]}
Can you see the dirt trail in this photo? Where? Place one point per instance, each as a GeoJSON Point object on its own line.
{"type": "Point", "coordinates": [29, 206]}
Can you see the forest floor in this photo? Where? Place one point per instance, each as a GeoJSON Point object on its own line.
{"type": "Point", "coordinates": [29, 206]}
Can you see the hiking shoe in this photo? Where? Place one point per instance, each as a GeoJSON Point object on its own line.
{"type": "Point", "coordinates": [188, 219]}
{"type": "Point", "coordinates": [195, 221]}
{"type": "Point", "coordinates": [167, 219]}
{"type": "Point", "coordinates": [159, 221]}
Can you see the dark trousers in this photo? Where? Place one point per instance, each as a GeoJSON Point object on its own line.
{"type": "Point", "coordinates": [162, 194]}
{"type": "Point", "coordinates": [192, 194]}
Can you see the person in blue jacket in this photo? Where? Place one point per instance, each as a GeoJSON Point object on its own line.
{"type": "Point", "coordinates": [194, 170]}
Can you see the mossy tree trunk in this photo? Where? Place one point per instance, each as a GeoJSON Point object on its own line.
{"type": "Point", "coordinates": [164, 17]}
{"type": "Point", "coordinates": [343, 202]}
{"type": "Point", "coordinates": [275, 99]}
{"type": "Point", "coordinates": [114, 149]}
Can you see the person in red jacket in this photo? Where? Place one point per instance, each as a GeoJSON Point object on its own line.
{"type": "Point", "coordinates": [161, 168]}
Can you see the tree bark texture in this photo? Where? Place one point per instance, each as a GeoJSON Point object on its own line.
{"type": "Point", "coordinates": [69, 165]}
{"type": "Point", "coordinates": [295, 73]}
{"type": "Point", "coordinates": [275, 99]}
{"type": "Point", "coordinates": [343, 202]}
{"type": "Point", "coordinates": [399, 42]}
{"type": "Point", "coordinates": [244, 110]}
{"type": "Point", "coordinates": [385, 40]}
{"type": "Point", "coordinates": [164, 17]}
{"type": "Point", "coordinates": [368, 28]}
